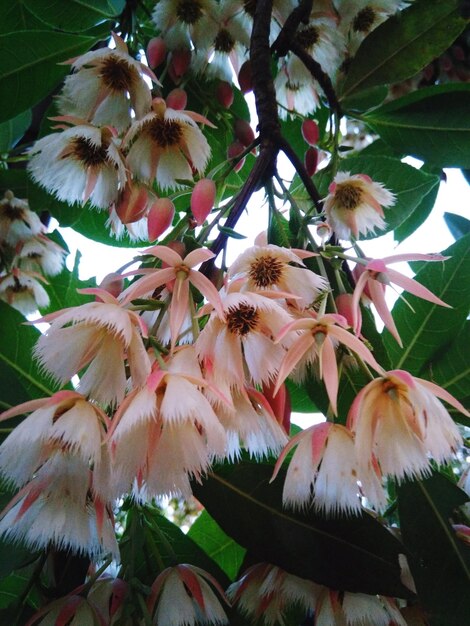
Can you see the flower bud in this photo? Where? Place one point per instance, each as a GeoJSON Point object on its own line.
{"type": "Point", "coordinates": [156, 52]}
{"type": "Point", "coordinates": [180, 60]}
{"type": "Point", "coordinates": [244, 77]}
{"type": "Point", "coordinates": [233, 151]}
{"type": "Point", "coordinates": [160, 217]}
{"type": "Point", "coordinates": [324, 231]}
{"type": "Point", "coordinates": [202, 199]}
{"type": "Point", "coordinates": [112, 283]}
{"type": "Point", "coordinates": [344, 303]}
{"type": "Point", "coordinates": [132, 203]}
{"type": "Point", "coordinates": [310, 132]}
{"type": "Point", "coordinates": [177, 99]}
{"type": "Point", "coordinates": [280, 404]}
{"type": "Point", "coordinates": [311, 161]}
{"type": "Point", "coordinates": [224, 94]}
{"type": "Point", "coordinates": [243, 132]}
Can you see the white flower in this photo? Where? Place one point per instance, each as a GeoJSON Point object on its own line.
{"type": "Point", "coordinates": [295, 93]}
{"type": "Point", "coordinates": [17, 222]}
{"type": "Point", "coordinates": [40, 253]}
{"type": "Point", "coordinates": [78, 164]}
{"type": "Point", "coordinates": [23, 291]}
{"type": "Point", "coordinates": [186, 22]}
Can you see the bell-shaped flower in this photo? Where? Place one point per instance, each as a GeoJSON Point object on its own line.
{"type": "Point", "coordinates": [372, 279]}
{"type": "Point", "coordinates": [179, 273]}
{"type": "Point", "coordinates": [399, 423]}
{"type": "Point", "coordinates": [183, 595]}
{"type": "Point", "coordinates": [80, 163]}
{"type": "Point", "coordinates": [322, 471]}
{"type": "Point", "coordinates": [166, 145]}
{"type": "Point", "coordinates": [106, 84]}
{"type": "Point", "coordinates": [356, 609]}
{"type": "Point", "coordinates": [182, 23]}
{"type": "Point", "coordinates": [17, 222]}
{"type": "Point", "coordinates": [39, 253]}
{"type": "Point", "coordinates": [354, 205]}
{"type": "Point", "coordinates": [316, 343]}
{"type": "Point", "coordinates": [23, 291]}
{"type": "Point", "coordinates": [269, 267]}
{"type": "Point", "coordinates": [99, 336]}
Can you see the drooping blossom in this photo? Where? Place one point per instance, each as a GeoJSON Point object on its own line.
{"type": "Point", "coordinates": [17, 221]}
{"type": "Point", "coordinates": [105, 86]}
{"type": "Point", "coordinates": [166, 145]}
{"type": "Point", "coordinates": [239, 345]}
{"type": "Point", "coordinates": [268, 267]}
{"type": "Point", "coordinates": [39, 253]}
{"type": "Point", "coordinates": [186, 22]}
{"type": "Point", "coordinates": [166, 432]}
{"type": "Point", "coordinates": [376, 275]}
{"type": "Point", "coordinates": [399, 423]}
{"type": "Point", "coordinates": [98, 336]}
{"type": "Point", "coordinates": [322, 471]}
{"type": "Point", "coordinates": [23, 291]}
{"type": "Point", "coordinates": [316, 345]}
{"type": "Point", "coordinates": [268, 592]}
{"type": "Point", "coordinates": [80, 163]}
{"type": "Point", "coordinates": [177, 274]}
{"type": "Point", "coordinates": [294, 93]}
{"type": "Point", "coordinates": [354, 205]}
{"type": "Point", "coordinates": [183, 595]}
{"type": "Point", "coordinates": [356, 609]}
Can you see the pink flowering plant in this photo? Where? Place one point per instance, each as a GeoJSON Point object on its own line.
{"type": "Point", "coordinates": [151, 468]}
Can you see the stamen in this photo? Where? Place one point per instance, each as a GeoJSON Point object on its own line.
{"type": "Point", "coordinates": [116, 74]}
{"type": "Point", "coordinates": [165, 132]}
{"type": "Point", "coordinates": [364, 20]}
{"type": "Point", "coordinates": [266, 271]}
{"type": "Point", "coordinates": [348, 195]}
{"type": "Point", "coordinates": [243, 319]}
{"type": "Point", "coordinates": [224, 42]}
{"type": "Point", "coordinates": [189, 11]}
{"type": "Point", "coordinates": [88, 153]}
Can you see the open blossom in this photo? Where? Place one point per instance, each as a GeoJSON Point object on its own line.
{"type": "Point", "coordinates": [80, 163]}
{"type": "Point", "coordinates": [183, 22]}
{"type": "Point", "coordinates": [99, 336]}
{"type": "Point", "coordinates": [166, 145]}
{"type": "Point", "coordinates": [322, 471]}
{"type": "Point", "coordinates": [105, 85]}
{"type": "Point", "coordinates": [356, 609]}
{"type": "Point", "coordinates": [372, 279]}
{"type": "Point", "coordinates": [23, 291]}
{"type": "Point", "coordinates": [183, 595]}
{"type": "Point", "coordinates": [269, 592]}
{"type": "Point", "coordinates": [166, 433]}
{"type": "Point", "coordinates": [399, 423]}
{"type": "Point", "coordinates": [294, 93]}
{"type": "Point", "coordinates": [239, 344]}
{"type": "Point", "coordinates": [316, 344]}
{"type": "Point", "coordinates": [354, 205]}
{"type": "Point", "coordinates": [268, 267]}
{"type": "Point", "coordinates": [17, 221]}
{"type": "Point", "coordinates": [39, 253]}
{"type": "Point", "coordinates": [178, 273]}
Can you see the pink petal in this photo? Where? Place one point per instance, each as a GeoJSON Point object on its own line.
{"type": "Point", "coordinates": [320, 434]}
{"type": "Point", "coordinates": [104, 295]}
{"type": "Point", "coordinates": [179, 307]}
{"type": "Point", "coordinates": [356, 345]}
{"type": "Point", "coordinates": [166, 254]}
{"type": "Point", "coordinates": [412, 286]}
{"type": "Point", "coordinates": [147, 284]}
{"type": "Point", "coordinates": [197, 117]}
{"type": "Point", "coordinates": [198, 256]}
{"type": "Point", "coordinates": [378, 298]}
{"type": "Point", "coordinates": [329, 372]}
{"type": "Point", "coordinates": [25, 407]}
{"type": "Point", "coordinates": [287, 448]}
{"type": "Point", "coordinates": [204, 285]}
{"type": "Point", "coordinates": [293, 356]}
{"type": "Point", "coordinates": [414, 257]}
{"type": "Point", "coordinates": [440, 392]}
{"type": "Point", "coordinates": [192, 583]}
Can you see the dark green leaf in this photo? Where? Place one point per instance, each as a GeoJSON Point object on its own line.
{"type": "Point", "coordinates": [74, 15]}
{"type": "Point", "coordinates": [12, 131]}
{"type": "Point", "coordinates": [431, 326]}
{"type": "Point", "coordinates": [231, 233]}
{"type": "Point", "coordinates": [418, 217]}
{"type": "Point", "coordinates": [431, 124]}
{"type": "Point", "coordinates": [356, 553]}
{"type": "Point", "coordinates": [404, 44]}
{"type": "Point", "coordinates": [300, 400]}
{"type": "Point", "coordinates": [15, 16]}
{"type": "Point", "coordinates": [365, 100]}
{"type": "Point", "coordinates": [458, 225]}
{"type": "Point", "coordinates": [29, 67]}
{"type": "Point", "coordinates": [220, 547]}
{"type": "Point", "coordinates": [62, 289]}
{"type": "Point", "coordinates": [441, 562]}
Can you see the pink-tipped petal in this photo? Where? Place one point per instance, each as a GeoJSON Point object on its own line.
{"type": "Point", "coordinates": [166, 254]}
{"type": "Point", "coordinates": [293, 356]}
{"type": "Point", "coordinates": [204, 285]}
{"type": "Point", "coordinates": [330, 373]}
{"type": "Point", "coordinates": [412, 286]}
{"type": "Point", "coordinates": [378, 298]}
{"type": "Point", "coordinates": [440, 392]}
{"type": "Point", "coordinates": [147, 284]}
{"type": "Point", "coordinates": [178, 308]}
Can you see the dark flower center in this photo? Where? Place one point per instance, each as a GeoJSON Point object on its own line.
{"type": "Point", "coordinates": [348, 195]}
{"type": "Point", "coordinates": [116, 74]}
{"type": "Point", "coordinates": [242, 319]}
{"type": "Point", "coordinates": [308, 37]}
{"type": "Point", "coordinates": [189, 11]}
{"type": "Point", "coordinates": [266, 271]}
{"type": "Point", "coordinates": [89, 154]}
{"type": "Point", "coordinates": [224, 42]}
{"type": "Point", "coordinates": [364, 20]}
{"type": "Point", "coordinates": [165, 133]}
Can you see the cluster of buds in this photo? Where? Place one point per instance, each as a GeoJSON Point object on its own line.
{"type": "Point", "coordinates": [27, 255]}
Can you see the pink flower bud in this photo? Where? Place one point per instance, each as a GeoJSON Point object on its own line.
{"type": "Point", "coordinates": [177, 99]}
{"type": "Point", "coordinates": [224, 94]}
{"type": "Point", "coordinates": [244, 77]}
{"type": "Point", "coordinates": [311, 161]}
{"type": "Point", "coordinates": [180, 60]}
{"type": "Point", "coordinates": [132, 203]}
{"type": "Point", "coordinates": [243, 132]}
{"type": "Point", "coordinates": [344, 305]}
{"type": "Point", "coordinates": [112, 283]}
{"type": "Point", "coordinates": [310, 132]}
{"type": "Point", "coordinates": [160, 217]}
{"type": "Point", "coordinates": [202, 199]}
{"type": "Point", "coordinates": [156, 52]}
{"type": "Point", "coordinates": [235, 149]}
{"type": "Point", "coordinates": [280, 404]}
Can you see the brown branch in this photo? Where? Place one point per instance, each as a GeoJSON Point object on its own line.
{"type": "Point", "coordinates": [301, 13]}
{"type": "Point", "coordinates": [309, 185]}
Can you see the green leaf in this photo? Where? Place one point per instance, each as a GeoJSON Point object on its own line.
{"type": "Point", "coordinates": [74, 15]}
{"type": "Point", "coordinates": [355, 553]}
{"type": "Point", "coordinates": [430, 327]}
{"type": "Point", "coordinates": [406, 182]}
{"type": "Point", "coordinates": [14, 556]}
{"type": "Point", "coordinates": [441, 562]}
{"type": "Point", "coordinates": [431, 124]}
{"type": "Point", "coordinates": [365, 100]}
{"type": "Point", "coordinates": [220, 547]}
{"type": "Point", "coordinates": [404, 44]}
{"type": "Point", "coordinates": [230, 232]}
{"type": "Point", "coordinates": [62, 289]}
{"type": "Point", "coordinates": [14, 585]}
{"type": "Point", "coordinates": [24, 376]}
{"type": "Point", "coordinates": [458, 225]}
{"type": "Point", "coordinates": [300, 400]}
{"type": "Point", "coordinates": [12, 130]}
{"type": "Point", "coordinates": [15, 16]}
{"type": "Point", "coordinates": [29, 68]}
{"type": "Point", "coordinates": [418, 217]}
